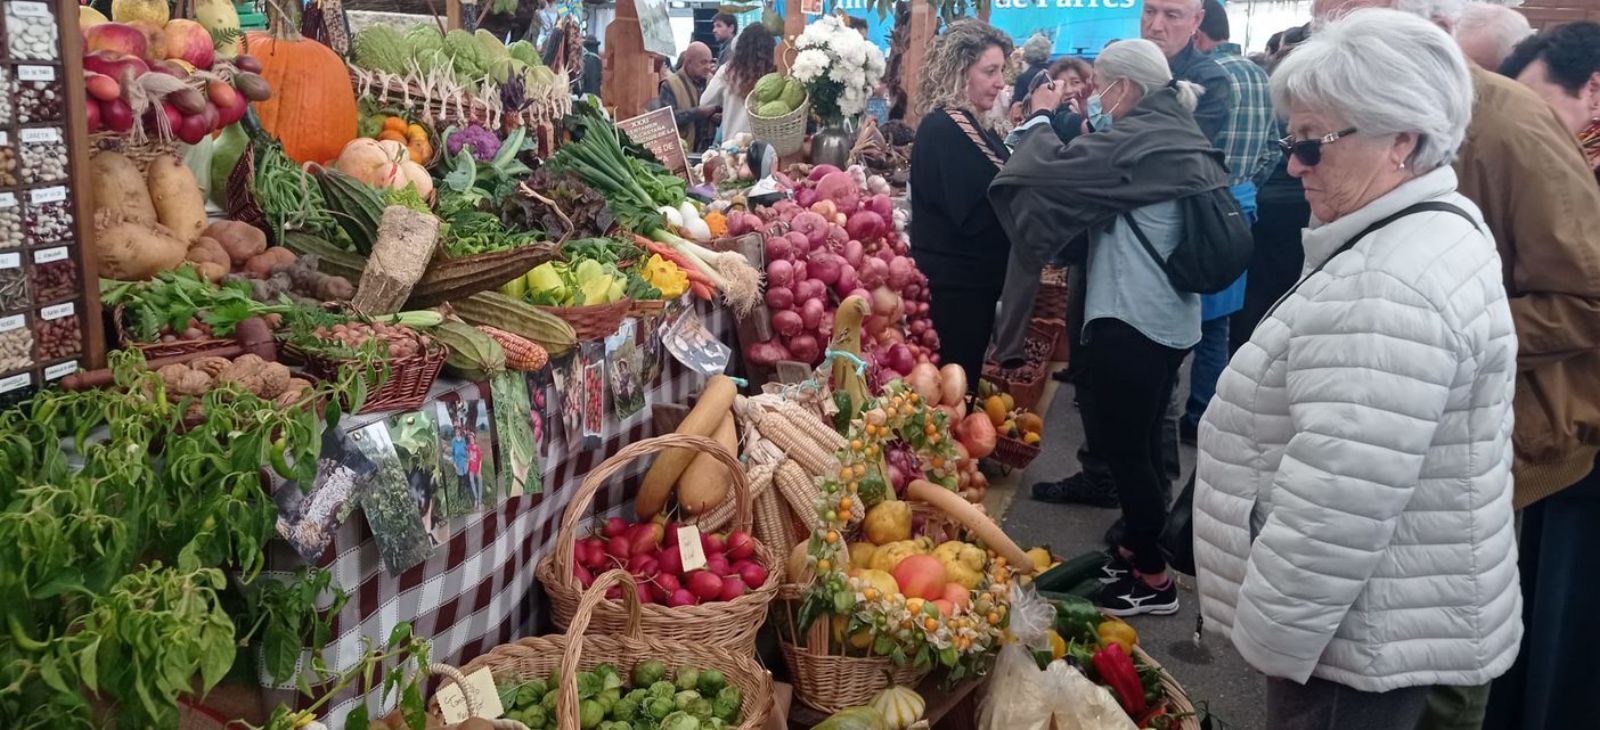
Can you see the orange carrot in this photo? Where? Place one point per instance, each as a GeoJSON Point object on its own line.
{"type": "Point", "coordinates": [671, 254]}
{"type": "Point", "coordinates": [701, 289]}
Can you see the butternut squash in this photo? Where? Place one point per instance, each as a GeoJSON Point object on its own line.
{"type": "Point", "coordinates": [971, 518]}
{"type": "Point", "coordinates": [715, 402]}
{"type": "Point", "coordinates": [704, 484]}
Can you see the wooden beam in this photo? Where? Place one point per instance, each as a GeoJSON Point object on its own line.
{"type": "Point", "coordinates": [452, 14]}
{"type": "Point", "coordinates": [630, 80]}
{"type": "Point", "coordinates": [794, 22]}
{"type": "Point", "coordinates": [924, 20]}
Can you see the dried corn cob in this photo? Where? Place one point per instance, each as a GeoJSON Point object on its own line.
{"type": "Point", "coordinates": [521, 353]}
{"type": "Point", "coordinates": [799, 489]}
{"type": "Point", "coordinates": [720, 517]}
{"type": "Point", "coordinates": [811, 425]}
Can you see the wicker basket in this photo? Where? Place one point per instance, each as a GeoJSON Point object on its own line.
{"type": "Point", "coordinates": [828, 682]}
{"type": "Point", "coordinates": [595, 321]}
{"type": "Point", "coordinates": [470, 694]}
{"type": "Point", "coordinates": [785, 133]}
{"type": "Point", "coordinates": [158, 350]}
{"type": "Point", "coordinates": [729, 624]}
{"type": "Point", "coordinates": [646, 308]}
{"type": "Point", "coordinates": [1051, 301]}
{"type": "Point", "coordinates": [405, 389]}
{"type": "Point", "coordinates": [1013, 453]}
{"type": "Point", "coordinates": [241, 199]}
{"type": "Point", "coordinates": [537, 657]}
{"type": "Point", "coordinates": [142, 153]}
{"type": "Point", "coordinates": [450, 279]}
{"type": "Point", "coordinates": [1177, 698]}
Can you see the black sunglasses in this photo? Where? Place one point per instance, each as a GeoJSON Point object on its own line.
{"type": "Point", "coordinates": [1309, 151]}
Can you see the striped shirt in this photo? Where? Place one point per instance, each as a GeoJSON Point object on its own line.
{"type": "Point", "coordinates": [1247, 137]}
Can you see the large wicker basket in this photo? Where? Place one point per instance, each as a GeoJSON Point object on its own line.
{"type": "Point", "coordinates": [1177, 699]}
{"type": "Point", "coordinates": [406, 387]}
{"type": "Point", "coordinates": [785, 133]}
{"type": "Point", "coordinates": [729, 624]}
{"type": "Point", "coordinates": [157, 350]}
{"type": "Point", "coordinates": [538, 657]}
{"type": "Point", "coordinates": [594, 321]}
{"type": "Point", "coordinates": [828, 682]}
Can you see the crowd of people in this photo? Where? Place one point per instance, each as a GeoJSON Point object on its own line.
{"type": "Point", "coordinates": [1396, 402]}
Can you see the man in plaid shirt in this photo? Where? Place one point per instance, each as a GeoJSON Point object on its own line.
{"type": "Point", "coordinates": [1246, 141]}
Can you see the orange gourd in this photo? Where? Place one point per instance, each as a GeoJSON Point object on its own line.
{"type": "Point", "coordinates": [313, 105]}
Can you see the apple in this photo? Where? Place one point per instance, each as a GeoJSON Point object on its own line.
{"type": "Point", "coordinates": [113, 63]}
{"type": "Point", "coordinates": [171, 68]}
{"type": "Point", "coordinates": [155, 38]}
{"type": "Point", "coordinates": [119, 37]}
{"type": "Point", "coordinates": [188, 40]}
{"type": "Point", "coordinates": [102, 87]}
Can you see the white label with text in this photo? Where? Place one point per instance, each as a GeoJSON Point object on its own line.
{"type": "Point", "coordinates": [48, 195]}
{"type": "Point", "coordinates": [45, 256]}
{"type": "Point", "coordinates": [61, 370]}
{"type": "Point", "coordinates": [690, 549]}
{"type": "Point", "coordinates": [10, 323]}
{"type": "Point", "coordinates": [30, 10]}
{"type": "Point", "coordinates": [20, 380]}
{"type": "Point", "coordinates": [40, 135]}
{"type": "Point", "coordinates": [57, 311]}
{"type": "Point", "coordinates": [10, 260]}
{"type": "Point", "coordinates": [36, 73]}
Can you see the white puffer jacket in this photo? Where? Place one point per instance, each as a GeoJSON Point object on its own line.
{"type": "Point", "coordinates": [1352, 515]}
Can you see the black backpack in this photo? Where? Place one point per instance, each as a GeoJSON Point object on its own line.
{"type": "Point", "coordinates": [1214, 248]}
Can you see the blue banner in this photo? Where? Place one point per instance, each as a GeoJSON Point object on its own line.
{"type": "Point", "coordinates": [1079, 27]}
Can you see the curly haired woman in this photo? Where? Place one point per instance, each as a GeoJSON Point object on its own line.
{"type": "Point", "coordinates": [752, 58]}
{"type": "Point", "coordinates": [955, 236]}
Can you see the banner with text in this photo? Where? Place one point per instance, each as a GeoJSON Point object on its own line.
{"type": "Point", "coordinates": [1079, 27]}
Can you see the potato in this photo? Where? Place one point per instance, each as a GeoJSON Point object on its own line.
{"type": "Point", "coordinates": [241, 240]}
{"type": "Point", "coordinates": [211, 271]}
{"type": "Point", "coordinates": [262, 265]}
{"type": "Point", "coordinates": [133, 250]}
{"type": "Point", "coordinates": [118, 185]}
{"type": "Point", "coordinates": [206, 250]}
{"type": "Point", "coordinates": [176, 194]}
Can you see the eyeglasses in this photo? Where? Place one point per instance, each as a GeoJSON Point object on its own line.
{"type": "Point", "coordinates": [1309, 151]}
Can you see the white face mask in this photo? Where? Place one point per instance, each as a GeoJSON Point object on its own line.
{"type": "Point", "coordinates": [1099, 117]}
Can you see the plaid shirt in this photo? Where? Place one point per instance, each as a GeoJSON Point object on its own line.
{"type": "Point", "coordinates": [1247, 138]}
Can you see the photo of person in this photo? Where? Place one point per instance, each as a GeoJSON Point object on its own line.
{"type": "Point", "coordinates": [307, 519]}
{"type": "Point", "coordinates": [693, 345]}
{"type": "Point", "coordinates": [569, 392]}
{"type": "Point", "coordinates": [416, 442]}
{"type": "Point", "coordinates": [475, 469]}
{"type": "Point", "coordinates": [468, 482]}
{"type": "Point", "coordinates": [627, 388]}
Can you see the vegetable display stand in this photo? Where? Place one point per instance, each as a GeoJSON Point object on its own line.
{"type": "Point", "coordinates": [786, 132]}
{"type": "Point", "coordinates": [404, 389]}
{"type": "Point", "coordinates": [594, 321]}
{"type": "Point", "coordinates": [828, 682]}
{"type": "Point", "coordinates": [728, 624]}
{"type": "Point", "coordinates": [538, 657]}
{"type": "Point", "coordinates": [158, 350]}
{"type": "Point", "coordinates": [50, 320]}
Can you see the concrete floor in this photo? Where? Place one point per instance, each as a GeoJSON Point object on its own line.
{"type": "Point", "coordinates": [1212, 672]}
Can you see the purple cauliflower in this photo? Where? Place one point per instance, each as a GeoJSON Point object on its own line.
{"type": "Point", "coordinates": [481, 141]}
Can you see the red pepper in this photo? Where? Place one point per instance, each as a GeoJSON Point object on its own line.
{"type": "Point", "coordinates": [1116, 669]}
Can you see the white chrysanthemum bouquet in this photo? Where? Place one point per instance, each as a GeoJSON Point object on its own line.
{"type": "Point", "coordinates": [839, 68]}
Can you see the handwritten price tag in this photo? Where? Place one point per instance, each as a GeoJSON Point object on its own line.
{"type": "Point", "coordinates": [57, 311]}
{"type": "Point", "coordinates": [61, 370]}
{"type": "Point", "coordinates": [40, 135]}
{"type": "Point", "coordinates": [45, 256]}
{"type": "Point", "coordinates": [7, 200]}
{"type": "Point", "coordinates": [453, 702]}
{"type": "Point", "coordinates": [14, 382]}
{"type": "Point", "coordinates": [11, 323]}
{"type": "Point", "coordinates": [36, 73]}
{"type": "Point", "coordinates": [47, 195]}
{"type": "Point", "coordinates": [689, 548]}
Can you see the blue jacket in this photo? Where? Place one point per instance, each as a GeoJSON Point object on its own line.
{"type": "Point", "coordinates": [1216, 105]}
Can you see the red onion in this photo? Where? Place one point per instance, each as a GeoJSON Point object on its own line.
{"type": "Point", "coordinates": [819, 171]}
{"type": "Point", "coordinates": [853, 252]}
{"type": "Point", "coordinates": [811, 225]}
{"type": "Point", "coordinates": [847, 279]}
{"type": "Point", "coordinates": [900, 272]}
{"type": "Point", "coordinates": [780, 272]}
{"type": "Point", "coordinates": [865, 225]}
{"type": "Point", "coordinates": [779, 248]}
{"type": "Point", "coordinates": [787, 323]}
{"type": "Point", "coordinates": [811, 314]}
{"type": "Point", "coordinates": [824, 267]}
{"type": "Point", "coordinates": [805, 349]}
{"type": "Point", "coordinates": [780, 297]}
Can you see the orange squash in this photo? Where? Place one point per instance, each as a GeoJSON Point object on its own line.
{"type": "Point", "coordinates": [313, 105]}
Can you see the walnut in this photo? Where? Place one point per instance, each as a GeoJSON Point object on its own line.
{"type": "Point", "coordinates": [171, 373]}
{"type": "Point", "coordinates": [251, 361]}
{"type": "Point", "coordinates": [212, 366]}
{"type": "Point", "coordinates": [274, 378]}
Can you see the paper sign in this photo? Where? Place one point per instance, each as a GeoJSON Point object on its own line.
{"type": "Point", "coordinates": [10, 323]}
{"type": "Point", "coordinates": [10, 260]}
{"type": "Point", "coordinates": [655, 25]}
{"type": "Point", "coordinates": [453, 703]}
{"type": "Point", "coordinates": [689, 548]}
{"type": "Point", "coordinates": [14, 382]}
{"type": "Point", "coordinates": [7, 200]}
{"type": "Point", "coordinates": [30, 10]}
{"type": "Point", "coordinates": [36, 73]}
{"type": "Point", "coordinates": [657, 131]}
{"type": "Point", "coordinates": [47, 195]}
{"type": "Point", "coordinates": [47, 255]}
{"type": "Point", "coordinates": [61, 370]}
{"type": "Point", "coordinates": [42, 134]}
{"type": "Point", "coordinates": [57, 311]}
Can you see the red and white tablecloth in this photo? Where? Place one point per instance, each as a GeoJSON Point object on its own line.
{"type": "Point", "coordinates": [477, 590]}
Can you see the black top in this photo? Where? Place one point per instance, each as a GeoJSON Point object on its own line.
{"type": "Point", "coordinates": [1019, 91]}
{"type": "Point", "coordinates": [955, 236]}
{"type": "Point", "coordinates": [1217, 103]}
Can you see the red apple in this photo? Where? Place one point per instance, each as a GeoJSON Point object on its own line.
{"type": "Point", "coordinates": [112, 63]}
{"type": "Point", "coordinates": [116, 115]}
{"type": "Point", "coordinates": [170, 68]}
{"type": "Point", "coordinates": [154, 38]}
{"type": "Point", "coordinates": [189, 41]}
{"type": "Point", "coordinates": [119, 37]}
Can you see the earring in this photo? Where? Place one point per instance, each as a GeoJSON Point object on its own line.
{"type": "Point", "coordinates": [1400, 166]}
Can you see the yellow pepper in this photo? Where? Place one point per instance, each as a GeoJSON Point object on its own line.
{"type": "Point", "coordinates": [1117, 632]}
{"type": "Point", "coordinates": [665, 276]}
{"type": "Point", "coordinates": [1058, 645]}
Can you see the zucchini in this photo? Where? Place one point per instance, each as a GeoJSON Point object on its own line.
{"type": "Point", "coordinates": [331, 259]}
{"type": "Point", "coordinates": [356, 206]}
{"type": "Point", "coordinates": [519, 318]}
{"type": "Point", "coordinates": [1070, 573]}
{"type": "Point", "coordinates": [473, 354]}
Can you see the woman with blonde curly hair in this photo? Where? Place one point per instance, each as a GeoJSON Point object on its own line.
{"type": "Point", "coordinates": [955, 236]}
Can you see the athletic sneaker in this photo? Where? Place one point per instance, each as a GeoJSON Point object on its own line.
{"type": "Point", "coordinates": [1079, 488]}
{"type": "Point", "coordinates": [1115, 568]}
{"type": "Point", "coordinates": [1131, 596]}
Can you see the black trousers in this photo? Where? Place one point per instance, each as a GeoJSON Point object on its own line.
{"type": "Point", "coordinates": [964, 318]}
{"type": "Point", "coordinates": [1132, 380]}
{"type": "Point", "coordinates": [1275, 262]}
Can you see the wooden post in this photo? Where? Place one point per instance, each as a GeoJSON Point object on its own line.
{"type": "Point", "coordinates": [983, 9]}
{"type": "Point", "coordinates": [82, 192]}
{"type": "Point", "coordinates": [452, 14]}
{"type": "Point", "coordinates": [630, 79]}
{"type": "Point", "coordinates": [923, 22]}
{"type": "Point", "coordinates": [794, 22]}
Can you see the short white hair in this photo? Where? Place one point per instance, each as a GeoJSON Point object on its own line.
{"type": "Point", "coordinates": [1444, 12]}
{"type": "Point", "coordinates": [1498, 27]}
{"type": "Point", "coordinates": [1142, 64]}
{"type": "Point", "coordinates": [1383, 72]}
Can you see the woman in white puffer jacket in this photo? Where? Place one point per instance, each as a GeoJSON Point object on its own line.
{"type": "Point", "coordinates": [1352, 511]}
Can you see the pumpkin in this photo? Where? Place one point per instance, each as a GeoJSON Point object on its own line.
{"type": "Point", "coordinates": [313, 106]}
{"type": "Point", "coordinates": [901, 707]}
{"type": "Point", "coordinates": [853, 718]}
{"type": "Point", "coordinates": [383, 164]}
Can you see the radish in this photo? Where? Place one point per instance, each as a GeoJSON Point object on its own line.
{"type": "Point", "coordinates": [585, 578]}
{"type": "Point", "coordinates": [752, 574]}
{"type": "Point", "coordinates": [619, 548]}
{"type": "Point", "coordinates": [670, 561]}
{"type": "Point", "coordinates": [719, 565]}
{"type": "Point", "coordinates": [741, 546]}
{"type": "Point", "coordinates": [614, 593]}
{"type": "Point", "coordinates": [732, 588]}
{"type": "Point", "coordinates": [705, 585]}
{"type": "Point", "coordinates": [667, 583]}
{"type": "Point", "coordinates": [615, 526]}
{"type": "Point", "coordinates": [645, 536]}
{"type": "Point", "coordinates": [712, 543]}
{"type": "Point", "coordinates": [642, 566]}
{"type": "Point", "coordinates": [681, 597]}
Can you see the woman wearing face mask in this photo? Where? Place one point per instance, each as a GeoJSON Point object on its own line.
{"type": "Point", "coordinates": [956, 238]}
{"type": "Point", "coordinates": [1125, 178]}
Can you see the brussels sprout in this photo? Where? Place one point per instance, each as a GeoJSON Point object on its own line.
{"type": "Point", "coordinates": [549, 701]}
{"type": "Point", "coordinates": [681, 700]}
{"type": "Point", "coordinates": [680, 721]}
{"type": "Point", "coordinates": [624, 709]}
{"type": "Point", "coordinates": [663, 689]}
{"type": "Point", "coordinates": [609, 674]}
{"type": "Point", "coordinates": [688, 679]}
{"type": "Point", "coordinates": [535, 718]}
{"type": "Point", "coordinates": [530, 693]}
{"type": "Point", "coordinates": [659, 707]}
{"type": "Point", "coordinates": [609, 698]}
{"type": "Point", "coordinates": [590, 713]}
{"type": "Point", "coordinates": [714, 723]}
{"type": "Point", "coordinates": [638, 696]}
{"type": "Point", "coordinates": [644, 722]}
{"type": "Point", "coordinates": [711, 682]}
{"type": "Point", "coordinates": [648, 673]}
{"type": "Point", "coordinates": [726, 706]}
{"type": "Point", "coordinates": [589, 685]}
{"type": "Point", "coordinates": [700, 708]}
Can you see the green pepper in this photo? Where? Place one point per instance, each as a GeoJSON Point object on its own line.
{"type": "Point", "coordinates": [1077, 619]}
{"type": "Point", "coordinates": [279, 463]}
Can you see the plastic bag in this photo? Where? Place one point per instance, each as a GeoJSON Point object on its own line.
{"type": "Point", "coordinates": [1079, 704]}
{"type": "Point", "coordinates": [1023, 697]}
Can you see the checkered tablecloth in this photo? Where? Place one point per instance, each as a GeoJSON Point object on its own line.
{"type": "Point", "coordinates": [477, 590]}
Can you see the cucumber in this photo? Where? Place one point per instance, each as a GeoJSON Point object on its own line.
{"type": "Point", "coordinates": [1070, 573]}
